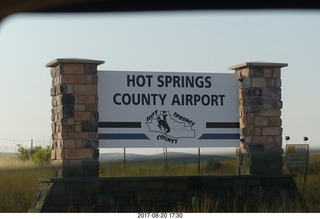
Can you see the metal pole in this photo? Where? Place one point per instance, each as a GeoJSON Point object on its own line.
{"type": "Point", "coordinates": [166, 167]}
{"type": "Point", "coordinates": [164, 158]}
{"type": "Point", "coordinates": [124, 159]}
{"type": "Point", "coordinates": [305, 171]}
{"type": "Point", "coordinates": [198, 161]}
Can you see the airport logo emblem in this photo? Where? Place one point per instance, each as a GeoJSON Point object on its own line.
{"type": "Point", "coordinates": [170, 126]}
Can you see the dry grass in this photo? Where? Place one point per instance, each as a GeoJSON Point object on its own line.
{"type": "Point", "coordinates": [19, 182]}
{"type": "Point", "coordinates": [12, 162]}
{"type": "Point", "coordinates": [228, 167]}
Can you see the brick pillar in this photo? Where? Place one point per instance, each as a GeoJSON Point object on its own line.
{"type": "Point", "coordinates": [74, 117]}
{"type": "Point", "coordinates": [260, 150]}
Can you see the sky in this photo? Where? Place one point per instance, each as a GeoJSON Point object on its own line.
{"type": "Point", "coordinates": [199, 41]}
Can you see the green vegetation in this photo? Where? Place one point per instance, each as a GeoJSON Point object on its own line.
{"type": "Point", "coordinates": [19, 182]}
{"type": "Point", "coordinates": [37, 154]}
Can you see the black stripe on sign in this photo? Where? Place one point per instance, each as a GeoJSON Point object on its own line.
{"type": "Point", "coordinates": [222, 125]}
{"type": "Point", "coordinates": [119, 125]}
{"type": "Point", "coordinates": [123, 136]}
{"type": "Point", "coordinates": [219, 136]}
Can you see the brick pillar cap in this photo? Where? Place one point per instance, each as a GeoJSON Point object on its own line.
{"type": "Point", "coordinates": [258, 64]}
{"type": "Point", "coordinates": [59, 61]}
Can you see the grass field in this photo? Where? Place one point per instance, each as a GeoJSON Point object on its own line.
{"type": "Point", "coordinates": [19, 181]}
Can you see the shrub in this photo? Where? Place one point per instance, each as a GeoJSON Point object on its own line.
{"type": "Point", "coordinates": [37, 154]}
{"type": "Point", "coordinates": [24, 153]}
{"type": "Point", "coordinates": [213, 165]}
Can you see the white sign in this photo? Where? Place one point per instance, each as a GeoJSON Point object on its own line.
{"type": "Point", "coordinates": [297, 155]}
{"type": "Point", "coordinates": [166, 109]}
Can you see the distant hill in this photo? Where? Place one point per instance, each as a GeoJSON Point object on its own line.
{"type": "Point", "coordinates": [8, 154]}
{"type": "Point", "coordinates": [315, 151]}
{"type": "Point", "coordinates": [172, 157]}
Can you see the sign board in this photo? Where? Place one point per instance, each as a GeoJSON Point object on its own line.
{"type": "Point", "coordinates": [297, 155]}
{"type": "Point", "coordinates": [167, 109]}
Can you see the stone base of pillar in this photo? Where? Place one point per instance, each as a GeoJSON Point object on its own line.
{"type": "Point", "coordinates": [161, 194]}
{"type": "Point", "coordinates": [259, 162]}
{"type": "Point", "coordinates": [77, 168]}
